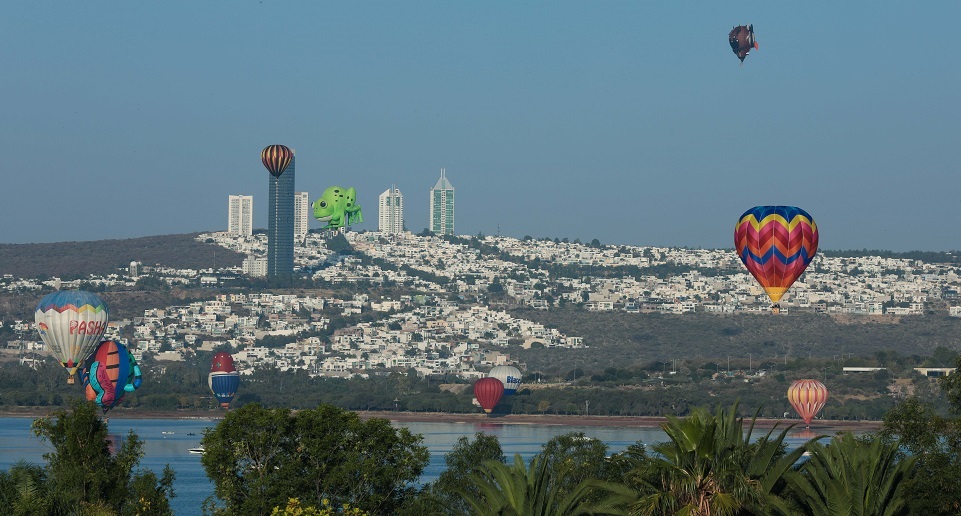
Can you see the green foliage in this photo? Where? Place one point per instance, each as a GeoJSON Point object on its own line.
{"type": "Point", "coordinates": [82, 474]}
{"type": "Point", "coordinates": [462, 462]}
{"type": "Point", "coordinates": [524, 490]}
{"type": "Point", "coordinates": [260, 458]}
{"type": "Point", "coordinates": [294, 508]}
{"type": "Point", "coordinates": [951, 385]}
{"type": "Point", "coordinates": [865, 477]}
{"type": "Point", "coordinates": [935, 487]}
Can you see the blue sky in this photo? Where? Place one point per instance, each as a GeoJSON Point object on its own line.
{"type": "Point", "coordinates": [630, 122]}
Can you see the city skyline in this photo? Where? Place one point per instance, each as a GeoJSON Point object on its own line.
{"type": "Point", "coordinates": [557, 118]}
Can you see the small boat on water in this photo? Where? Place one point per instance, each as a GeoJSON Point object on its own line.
{"type": "Point", "coordinates": [197, 451]}
{"type": "Point", "coordinates": [167, 432]}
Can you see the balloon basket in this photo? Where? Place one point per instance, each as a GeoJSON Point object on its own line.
{"type": "Point", "coordinates": [71, 380]}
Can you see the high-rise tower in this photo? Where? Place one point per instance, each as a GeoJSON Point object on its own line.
{"type": "Point", "coordinates": [280, 162]}
{"type": "Point", "coordinates": [442, 206]}
{"type": "Point", "coordinates": [301, 216]}
{"type": "Point", "coordinates": [391, 204]}
{"type": "Point", "coordinates": [240, 215]}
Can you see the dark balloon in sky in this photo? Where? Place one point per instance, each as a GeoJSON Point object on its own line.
{"type": "Point", "coordinates": [741, 39]}
{"type": "Point", "coordinates": [276, 158]}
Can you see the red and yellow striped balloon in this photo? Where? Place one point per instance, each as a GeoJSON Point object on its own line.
{"type": "Point", "coordinates": [808, 398]}
{"type": "Point", "coordinates": [276, 158]}
{"type": "Point", "coordinates": [776, 244]}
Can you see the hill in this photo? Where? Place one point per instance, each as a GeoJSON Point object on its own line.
{"type": "Point", "coordinates": [70, 260]}
{"type": "Point", "coordinates": [620, 340]}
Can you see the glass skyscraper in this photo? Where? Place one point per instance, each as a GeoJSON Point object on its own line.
{"type": "Point", "coordinates": [442, 206]}
{"type": "Point", "coordinates": [280, 223]}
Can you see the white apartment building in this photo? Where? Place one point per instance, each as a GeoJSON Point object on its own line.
{"type": "Point", "coordinates": [301, 216]}
{"type": "Point", "coordinates": [442, 206]}
{"type": "Point", "coordinates": [255, 267]}
{"type": "Point", "coordinates": [240, 215]}
{"type": "Point", "coordinates": [391, 214]}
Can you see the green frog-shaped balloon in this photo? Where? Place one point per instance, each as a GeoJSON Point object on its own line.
{"type": "Point", "coordinates": [338, 207]}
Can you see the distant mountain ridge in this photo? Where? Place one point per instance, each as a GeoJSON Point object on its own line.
{"type": "Point", "coordinates": [70, 260]}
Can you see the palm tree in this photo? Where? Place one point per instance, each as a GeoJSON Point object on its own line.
{"type": "Point", "coordinates": [855, 477]}
{"type": "Point", "coordinates": [23, 489]}
{"type": "Point", "coordinates": [519, 490]}
{"type": "Point", "coordinates": [710, 467]}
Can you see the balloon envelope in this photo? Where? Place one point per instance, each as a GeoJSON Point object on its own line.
{"type": "Point", "coordinates": [276, 158]}
{"type": "Point", "coordinates": [109, 373]}
{"type": "Point", "coordinates": [488, 392]}
{"type": "Point", "coordinates": [808, 398]}
{"type": "Point", "coordinates": [223, 379]}
{"type": "Point", "coordinates": [776, 244]}
{"type": "Point", "coordinates": [71, 324]}
{"type": "Point", "coordinates": [741, 39]}
{"type": "Point", "coordinates": [510, 376]}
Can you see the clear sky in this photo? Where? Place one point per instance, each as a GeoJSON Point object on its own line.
{"type": "Point", "coordinates": [630, 122]}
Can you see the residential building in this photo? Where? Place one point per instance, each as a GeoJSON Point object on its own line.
{"type": "Point", "coordinates": [442, 206]}
{"type": "Point", "coordinates": [240, 215]}
{"type": "Point", "coordinates": [255, 267]}
{"type": "Point", "coordinates": [301, 216]}
{"type": "Point", "coordinates": [280, 223]}
{"type": "Point", "coordinates": [391, 203]}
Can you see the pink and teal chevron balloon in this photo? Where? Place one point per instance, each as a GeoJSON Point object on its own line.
{"type": "Point", "coordinates": [776, 244]}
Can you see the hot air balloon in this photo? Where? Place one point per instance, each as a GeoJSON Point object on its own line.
{"type": "Point", "coordinates": [776, 244]}
{"type": "Point", "coordinates": [741, 39]}
{"type": "Point", "coordinates": [109, 373]}
{"type": "Point", "coordinates": [510, 376]}
{"type": "Point", "coordinates": [808, 398]}
{"type": "Point", "coordinates": [488, 392]}
{"type": "Point", "coordinates": [71, 324]}
{"type": "Point", "coordinates": [276, 158]}
{"type": "Point", "coordinates": [223, 379]}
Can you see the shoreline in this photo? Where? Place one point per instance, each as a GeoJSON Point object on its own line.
{"type": "Point", "coordinates": [472, 418]}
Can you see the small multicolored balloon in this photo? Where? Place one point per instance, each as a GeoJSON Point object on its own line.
{"type": "Point", "coordinates": [109, 373]}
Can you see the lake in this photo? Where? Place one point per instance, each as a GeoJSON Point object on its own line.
{"type": "Point", "coordinates": [167, 441]}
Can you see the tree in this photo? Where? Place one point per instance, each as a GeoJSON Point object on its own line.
{"type": "Point", "coordinates": [83, 475]}
{"type": "Point", "coordinates": [524, 491]}
{"type": "Point", "coordinates": [711, 466]}
{"type": "Point", "coordinates": [584, 458]}
{"type": "Point", "coordinates": [260, 458]}
{"type": "Point", "coordinates": [951, 385]}
{"type": "Point", "coordinates": [22, 489]}
{"type": "Point", "coordinates": [862, 477]}
{"type": "Point", "coordinates": [935, 487]}
{"type": "Point", "coordinates": [463, 461]}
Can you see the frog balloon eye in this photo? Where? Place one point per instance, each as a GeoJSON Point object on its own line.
{"type": "Point", "coordinates": [323, 204]}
